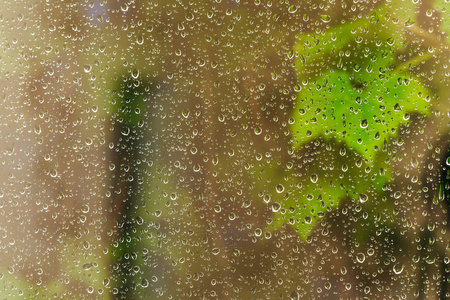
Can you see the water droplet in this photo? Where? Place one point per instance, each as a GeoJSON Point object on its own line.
{"type": "Point", "coordinates": [189, 16]}
{"type": "Point", "coordinates": [325, 18]}
{"type": "Point", "coordinates": [258, 232]}
{"type": "Point", "coordinates": [360, 257]}
{"type": "Point", "coordinates": [87, 68]}
{"type": "Point", "coordinates": [124, 7]}
{"type": "Point", "coordinates": [215, 251]}
{"type": "Point", "coordinates": [144, 283]}
{"type": "Point", "coordinates": [106, 282]}
{"type": "Point", "coordinates": [292, 9]}
{"type": "Point", "coordinates": [125, 131]}
{"type": "Point", "coordinates": [409, 23]}
{"type": "Point", "coordinates": [37, 129]}
{"type": "Point", "coordinates": [87, 266]}
{"type": "Point", "coordinates": [430, 259]}
{"type": "Point", "coordinates": [314, 178]}
{"type": "Point", "coordinates": [85, 208]}
{"type": "Point", "coordinates": [276, 207]}
{"type": "Point", "coordinates": [185, 113]}
{"type": "Point", "coordinates": [135, 74]}
{"type": "Point", "coordinates": [140, 39]}
{"type": "Point", "coordinates": [364, 123]}
{"type": "Point", "coordinates": [246, 203]}
{"type": "Point", "coordinates": [398, 268]}
{"type": "Point", "coordinates": [363, 198]}
{"type": "Point", "coordinates": [280, 188]}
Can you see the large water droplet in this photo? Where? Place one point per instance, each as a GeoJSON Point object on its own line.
{"type": "Point", "coordinates": [398, 268]}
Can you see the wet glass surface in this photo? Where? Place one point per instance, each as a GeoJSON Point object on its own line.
{"type": "Point", "coordinates": [225, 149]}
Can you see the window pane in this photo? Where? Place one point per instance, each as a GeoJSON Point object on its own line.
{"type": "Point", "coordinates": [225, 149]}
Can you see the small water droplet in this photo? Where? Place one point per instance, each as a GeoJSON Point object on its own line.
{"type": "Point", "coordinates": [276, 207]}
{"type": "Point", "coordinates": [364, 123]}
{"type": "Point", "coordinates": [140, 39]}
{"type": "Point", "coordinates": [85, 208]}
{"type": "Point", "coordinates": [325, 18]}
{"type": "Point", "coordinates": [363, 198]}
{"type": "Point", "coordinates": [189, 16]}
{"type": "Point", "coordinates": [280, 188]}
{"type": "Point", "coordinates": [185, 113]}
{"type": "Point", "coordinates": [360, 257]}
{"type": "Point", "coordinates": [87, 68]}
{"type": "Point", "coordinates": [135, 74]}
{"type": "Point", "coordinates": [144, 283]}
{"type": "Point", "coordinates": [292, 9]}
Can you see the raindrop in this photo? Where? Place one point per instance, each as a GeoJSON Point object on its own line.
{"type": "Point", "coordinates": [276, 207]}
{"type": "Point", "coordinates": [325, 18]}
{"type": "Point", "coordinates": [360, 257]}
{"type": "Point", "coordinates": [189, 16]}
{"type": "Point", "coordinates": [140, 39]}
{"type": "Point", "coordinates": [185, 113]}
{"type": "Point", "coordinates": [85, 208]}
{"type": "Point", "coordinates": [144, 283]}
{"type": "Point", "coordinates": [292, 9]}
{"type": "Point", "coordinates": [280, 188]}
{"type": "Point", "coordinates": [363, 198]}
{"type": "Point", "coordinates": [364, 123]}
{"type": "Point", "coordinates": [87, 68]}
{"type": "Point", "coordinates": [398, 268]}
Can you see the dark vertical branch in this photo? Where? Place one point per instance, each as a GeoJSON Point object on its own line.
{"type": "Point", "coordinates": [128, 136]}
{"type": "Point", "coordinates": [444, 195]}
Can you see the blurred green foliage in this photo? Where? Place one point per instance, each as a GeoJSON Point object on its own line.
{"type": "Point", "coordinates": [353, 90]}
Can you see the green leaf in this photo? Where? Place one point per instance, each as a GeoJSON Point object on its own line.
{"type": "Point", "coordinates": [334, 174]}
{"type": "Point", "coordinates": [351, 89]}
{"type": "Point", "coordinates": [353, 95]}
{"type": "Point", "coordinates": [364, 115]}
